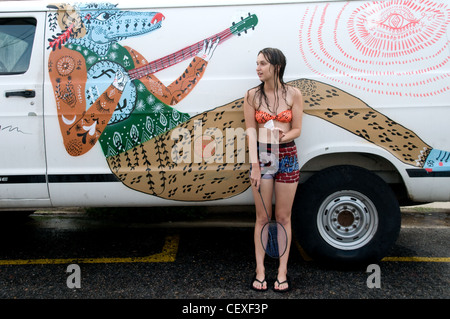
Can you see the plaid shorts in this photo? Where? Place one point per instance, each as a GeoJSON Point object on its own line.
{"type": "Point", "coordinates": [283, 168]}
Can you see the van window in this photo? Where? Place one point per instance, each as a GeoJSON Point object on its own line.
{"type": "Point", "coordinates": [16, 43]}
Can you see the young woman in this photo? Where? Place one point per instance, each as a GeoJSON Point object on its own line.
{"type": "Point", "coordinates": [273, 116]}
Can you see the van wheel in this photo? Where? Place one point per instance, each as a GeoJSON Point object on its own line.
{"type": "Point", "coordinates": [346, 214]}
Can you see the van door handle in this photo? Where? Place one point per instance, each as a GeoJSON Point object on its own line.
{"type": "Point", "coordinates": [24, 93]}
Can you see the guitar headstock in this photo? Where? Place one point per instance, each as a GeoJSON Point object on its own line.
{"type": "Point", "coordinates": [245, 24]}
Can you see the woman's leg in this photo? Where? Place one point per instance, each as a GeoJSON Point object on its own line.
{"type": "Point", "coordinates": [266, 189]}
{"type": "Point", "coordinates": [284, 194]}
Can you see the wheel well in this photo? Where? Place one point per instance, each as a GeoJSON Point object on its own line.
{"type": "Point", "coordinates": [374, 163]}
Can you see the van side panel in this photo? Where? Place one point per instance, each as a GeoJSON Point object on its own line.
{"type": "Point", "coordinates": [143, 106]}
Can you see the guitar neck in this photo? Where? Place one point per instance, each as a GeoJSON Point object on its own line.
{"type": "Point", "coordinates": [176, 57]}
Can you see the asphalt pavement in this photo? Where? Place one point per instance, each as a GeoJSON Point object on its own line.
{"type": "Point", "coordinates": [202, 253]}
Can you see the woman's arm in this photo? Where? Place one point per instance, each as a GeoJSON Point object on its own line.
{"type": "Point", "coordinates": [297, 116]}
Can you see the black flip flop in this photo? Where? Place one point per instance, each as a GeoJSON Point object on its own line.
{"type": "Point", "coordinates": [261, 282]}
{"type": "Point", "coordinates": [287, 281]}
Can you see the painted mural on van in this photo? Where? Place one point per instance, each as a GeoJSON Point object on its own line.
{"type": "Point", "coordinates": [386, 47]}
{"type": "Point", "coordinates": [108, 93]}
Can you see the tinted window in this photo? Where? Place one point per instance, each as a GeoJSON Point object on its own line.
{"type": "Point", "coordinates": [16, 43]}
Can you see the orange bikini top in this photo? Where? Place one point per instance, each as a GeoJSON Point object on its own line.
{"type": "Point", "coordinates": [262, 117]}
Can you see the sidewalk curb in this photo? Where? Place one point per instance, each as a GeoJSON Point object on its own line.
{"type": "Point", "coordinates": [437, 207]}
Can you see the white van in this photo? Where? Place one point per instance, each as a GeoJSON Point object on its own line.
{"type": "Point", "coordinates": [140, 104]}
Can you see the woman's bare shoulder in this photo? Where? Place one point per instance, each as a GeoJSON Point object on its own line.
{"type": "Point", "coordinates": [250, 96]}
{"type": "Point", "coordinates": [251, 92]}
{"type": "Point", "coordinates": [294, 91]}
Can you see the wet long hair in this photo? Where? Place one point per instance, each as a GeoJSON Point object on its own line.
{"type": "Point", "coordinates": [277, 59]}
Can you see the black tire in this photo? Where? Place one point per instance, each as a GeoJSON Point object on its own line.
{"type": "Point", "coordinates": [346, 215]}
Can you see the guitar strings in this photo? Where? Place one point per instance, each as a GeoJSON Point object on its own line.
{"type": "Point", "coordinates": [176, 57]}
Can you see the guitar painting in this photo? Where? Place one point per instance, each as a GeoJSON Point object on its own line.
{"type": "Point", "coordinates": [108, 93]}
{"type": "Point", "coordinates": [236, 29]}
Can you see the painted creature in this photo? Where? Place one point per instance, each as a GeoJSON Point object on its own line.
{"type": "Point", "coordinates": [107, 92]}
{"type": "Point", "coordinates": [94, 91]}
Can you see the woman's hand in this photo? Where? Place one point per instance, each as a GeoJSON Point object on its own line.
{"type": "Point", "coordinates": [255, 176]}
{"type": "Point", "coordinates": [278, 133]}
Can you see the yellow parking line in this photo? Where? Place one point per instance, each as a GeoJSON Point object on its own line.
{"type": "Point", "coordinates": [168, 254]}
{"type": "Point", "coordinates": [419, 259]}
